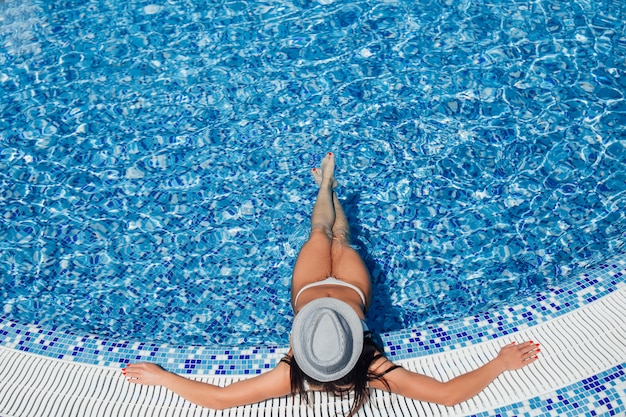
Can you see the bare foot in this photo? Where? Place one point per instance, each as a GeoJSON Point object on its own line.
{"type": "Point", "coordinates": [317, 175]}
{"type": "Point", "coordinates": [326, 172]}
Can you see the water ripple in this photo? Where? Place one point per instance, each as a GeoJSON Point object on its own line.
{"type": "Point", "coordinates": [154, 177]}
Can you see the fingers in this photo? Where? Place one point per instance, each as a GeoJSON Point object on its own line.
{"type": "Point", "coordinates": [135, 374]}
{"type": "Point", "coordinates": [144, 373]}
{"type": "Point", "coordinates": [529, 350]}
{"type": "Point", "coordinates": [517, 356]}
{"type": "Point", "coordinates": [130, 374]}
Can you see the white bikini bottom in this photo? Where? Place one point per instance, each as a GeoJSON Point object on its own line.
{"type": "Point", "coordinates": [330, 281]}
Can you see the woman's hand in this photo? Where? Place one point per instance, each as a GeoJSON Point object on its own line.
{"type": "Point", "coordinates": [145, 374]}
{"type": "Point", "coordinates": [516, 356]}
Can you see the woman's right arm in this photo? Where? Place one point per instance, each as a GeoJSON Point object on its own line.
{"type": "Point", "coordinates": [463, 387]}
{"type": "Point", "coordinates": [271, 384]}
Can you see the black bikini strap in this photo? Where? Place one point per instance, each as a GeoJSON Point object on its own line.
{"type": "Point", "coordinates": [386, 371]}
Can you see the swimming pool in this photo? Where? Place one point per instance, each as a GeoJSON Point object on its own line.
{"type": "Point", "coordinates": [154, 175]}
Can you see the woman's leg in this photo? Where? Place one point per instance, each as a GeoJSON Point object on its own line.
{"type": "Point", "coordinates": [346, 263]}
{"type": "Point", "coordinates": [314, 260]}
{"type": "Point", "coordinates": [328, 252]}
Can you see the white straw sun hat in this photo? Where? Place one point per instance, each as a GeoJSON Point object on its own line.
{"type": "Point", "coordinates": [327, 339]}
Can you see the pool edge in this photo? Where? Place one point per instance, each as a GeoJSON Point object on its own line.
{"type": "Point", "coordinates": [602, 392]}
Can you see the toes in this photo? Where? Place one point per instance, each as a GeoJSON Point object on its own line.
{"type": "Point", "coordinates": [328, 163]}
{"type": "Point", "coordinates": [317, 175]}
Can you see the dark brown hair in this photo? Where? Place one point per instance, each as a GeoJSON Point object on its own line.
{"type": "Point", "coordinates": [356, 380]}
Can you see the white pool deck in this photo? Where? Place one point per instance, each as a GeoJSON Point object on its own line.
{"type": "Point", "coordinates": [580, 373]}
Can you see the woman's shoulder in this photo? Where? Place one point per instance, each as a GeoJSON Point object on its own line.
{"type": "Point", "coordinates": [379, 370]}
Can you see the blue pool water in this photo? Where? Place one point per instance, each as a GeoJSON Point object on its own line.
{"type": "Point", "coordinates": [155, 156]}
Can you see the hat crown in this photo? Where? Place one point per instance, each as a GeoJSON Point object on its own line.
{"type": "Point", "coordinates": [329, 342]}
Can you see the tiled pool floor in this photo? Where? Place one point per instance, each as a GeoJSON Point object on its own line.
{"type": "Point", "coordinates": [580, 325]}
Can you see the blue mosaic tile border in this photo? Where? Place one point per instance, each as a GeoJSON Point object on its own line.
{"type": "Point", "coordinates": [552, 303]}
{"type": "Point", "coordinates": [600, 395]}
{"type": "Point", "coordinates": [94, 350]}
{"type": "Point", "coordinates": [198, 360]}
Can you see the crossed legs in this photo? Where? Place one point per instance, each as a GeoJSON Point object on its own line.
{"type": "Point", "coordinates": [327, 253]}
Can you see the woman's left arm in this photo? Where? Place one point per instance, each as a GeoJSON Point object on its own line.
{"type": "Point", "coordinates": [462, 387]}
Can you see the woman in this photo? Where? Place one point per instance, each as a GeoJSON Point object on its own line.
{"type": "Point", "coordinates": [330, 347]}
